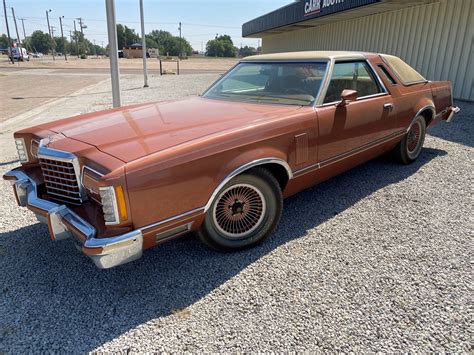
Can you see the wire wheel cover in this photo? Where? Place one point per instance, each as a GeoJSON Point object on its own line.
{"type": "Point", "coordinates": [414, 136]}
{"type": "Point", "coordinates": [239, 211]}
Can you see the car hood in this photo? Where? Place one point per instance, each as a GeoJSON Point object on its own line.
{"type": "Point", "coordinates": [133, 132]}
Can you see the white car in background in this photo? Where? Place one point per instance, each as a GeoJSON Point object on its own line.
{"type": "Point", "coordinates": [19, 54]}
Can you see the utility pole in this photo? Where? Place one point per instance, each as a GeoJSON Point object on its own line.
{"type": "Point", "coordinates": [24, 34]}
{"type": "Point", "coordinates": [179, 40]}
{"type": "Point", "coordinates": [8, 33]}
{"type": "Point", "coordinates": [62, 36]}
{"type": "Point", "coordinates": [145, 72]}
{"type": "Point", "coordinates": [17, 34]}
{"type": "Point", "coordinates": [81, 25]}
{"type": "Point", "coordinates": [23, 25]}
{"type": "Point", "coordinates": [113, 51]}
{"type": "Point", "coordinates": [49, 31]}
{"type": "Point", "coordinates": [75, 38]}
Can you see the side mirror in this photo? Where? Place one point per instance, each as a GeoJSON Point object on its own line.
{"type": "Point", "coordinates": [348, 96]}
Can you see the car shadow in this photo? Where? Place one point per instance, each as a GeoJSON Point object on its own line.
{"type": "Point", "coordinates": [51, 290]}
{"type": "Point", "coordinates": [460, 129]}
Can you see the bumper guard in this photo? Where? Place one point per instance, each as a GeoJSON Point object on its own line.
{"type": "Point", "coordinates": [64, 223]}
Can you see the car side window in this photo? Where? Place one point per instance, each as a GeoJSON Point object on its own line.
{"type": "Point", "coordinates": [353, 76]}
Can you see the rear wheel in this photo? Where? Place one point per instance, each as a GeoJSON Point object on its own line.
{"type": "Point", "coordinates": [244, 213]}
{"type": "Point", "coordinates": [409, 149]}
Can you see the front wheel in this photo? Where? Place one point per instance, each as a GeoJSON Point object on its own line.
{"type": "Point", "coordinates": [409, 149]}
{"type": "Point", "coordinates": [244, 213]}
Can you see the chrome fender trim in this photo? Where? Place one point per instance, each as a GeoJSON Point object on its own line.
{"type": "Point", "coordinates": [430, 107]}
{"type": "Point", "coordinates": [246, 167]}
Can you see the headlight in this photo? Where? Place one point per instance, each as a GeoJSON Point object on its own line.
{"type": "Point", "coordinates": [21, 149]}
{"type": "Point", "coordinates": [113, 204]}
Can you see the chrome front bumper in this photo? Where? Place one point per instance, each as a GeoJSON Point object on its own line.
{"type": "Point", "coordinates": [64, 223]}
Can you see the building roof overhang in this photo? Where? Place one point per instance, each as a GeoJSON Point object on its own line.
{"type": "Point", "coordinates": [311, 13]}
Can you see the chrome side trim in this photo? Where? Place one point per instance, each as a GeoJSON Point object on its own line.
{"type": "Point", "coordinates": [245, 167]}
{"type": "Point", "coordinates": [307, 169]}
{"type": "Point", "coordinates": [430, 107]}
{"type": "Point", "coordinates": [348, 154]}
{"type": "Point", "coordinates": [179, 216]}
{"type": "Point", "coordinates": [174, 232]}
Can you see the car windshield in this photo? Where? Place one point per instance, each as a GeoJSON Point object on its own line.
{"type": "Point", "coordinates": [274, 83]}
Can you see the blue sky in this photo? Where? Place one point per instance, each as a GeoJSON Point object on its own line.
{"type": "Point", "coordinates": [201, 19]}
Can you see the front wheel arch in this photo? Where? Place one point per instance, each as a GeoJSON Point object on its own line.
{"type": "Point", "coordinates": [279, 168]}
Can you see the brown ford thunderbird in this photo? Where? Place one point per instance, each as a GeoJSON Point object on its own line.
{"type": "Point", "coordinates": [123, 180]}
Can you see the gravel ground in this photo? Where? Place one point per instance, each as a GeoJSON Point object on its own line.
{"type": "Point", "coordinates": [377, 259]}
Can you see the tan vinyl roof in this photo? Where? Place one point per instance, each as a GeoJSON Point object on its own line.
{"type": "Point", "coordinates": [309, 55]}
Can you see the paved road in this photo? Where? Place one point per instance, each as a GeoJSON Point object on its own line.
{"type": "Point", "coordinates": [377, 259]}
{"type": "Point", "coordinates": [106, 71]}
{"type": "Point", "coordinates": [21, 93]}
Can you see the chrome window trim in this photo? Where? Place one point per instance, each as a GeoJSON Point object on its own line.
{"type": "Point", "coordinates": [383, 65]}
{"type": "Point", "coordinates": [358, 99]}
{"type": "Point", "coordinates": [381, 55]}
{"type": "Point", "coordinates": [376, 76]}
{"type": "Point", "coordinates": [312, 104]}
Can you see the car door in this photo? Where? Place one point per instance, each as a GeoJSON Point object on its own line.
{"type": "Point", "coordinates": [344, 130]}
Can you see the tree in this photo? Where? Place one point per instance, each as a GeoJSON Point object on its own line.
{"type": "Point", "coordinates": [97, 50]}
{"type": "Point", "coordinates": [40, 41]}
{"type": "Point", "coordinates": [246, 51]}
{"type": "Point", "coordinates": [214, 48]}
{"type": "Point", "coordinates": [151, 43]}
{"type": "Point", "coordinates": [4, 41]}
{"type": "Point", "coordinates": [221, 46]}
{"type": "Point", "coordinates": [61, 45]}
{"type": "Point", "coordinates": [169, 44]}
{"type": "Point", "coordinates": [126, 36]}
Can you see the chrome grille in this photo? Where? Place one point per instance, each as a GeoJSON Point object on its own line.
{"type": "Point", "coordinates": [61, 181]}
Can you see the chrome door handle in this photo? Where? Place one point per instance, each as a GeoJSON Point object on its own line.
{"type": "Point", "coordinates": [388, 106]}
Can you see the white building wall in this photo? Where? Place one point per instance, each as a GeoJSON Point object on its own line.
{"type": "Point", "coordinates": [437, 39]}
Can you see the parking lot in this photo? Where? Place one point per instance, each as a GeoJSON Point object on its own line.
{"type": "Point", "coordinates": [377, 259]}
